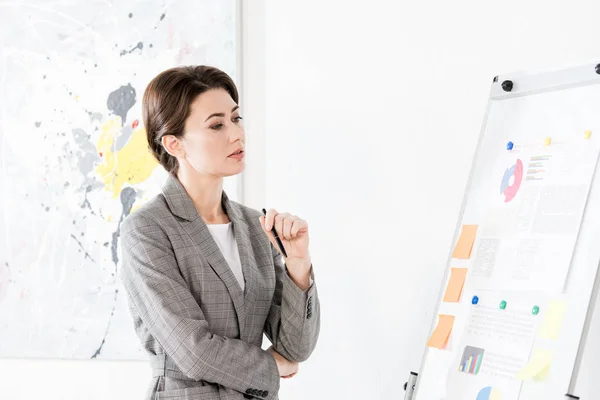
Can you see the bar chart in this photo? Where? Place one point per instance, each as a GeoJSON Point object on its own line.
{"type": "Point", "coordinates": [471, 360]}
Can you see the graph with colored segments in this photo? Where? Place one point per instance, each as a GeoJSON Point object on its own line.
{"type": "Point", "coordinates": [507, 188]}
{"type": "Point", "coordinates": [489, 393]}
{"type": "Point", "coordinates": [471, 360]}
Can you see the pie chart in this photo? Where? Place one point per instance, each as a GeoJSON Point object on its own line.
{"type": "Point", "coordinates": [489, 393]}
{"type": "Point", "coordinates": [506, 187]}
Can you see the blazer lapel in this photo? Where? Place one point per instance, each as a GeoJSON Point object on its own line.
{"type": "Point", "coordinates": [181, 205]}
{"type": "Point", "coordinates": [242, 236]}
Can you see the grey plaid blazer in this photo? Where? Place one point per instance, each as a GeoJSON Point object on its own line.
{"type": "Point", "coordinates": [202, 332]}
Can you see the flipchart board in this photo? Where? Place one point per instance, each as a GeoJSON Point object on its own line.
{"type": "Point", "coordinates": [519, 287]}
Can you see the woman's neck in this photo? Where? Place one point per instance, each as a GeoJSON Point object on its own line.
{"type": "Point", "coordinates": [206, 194]}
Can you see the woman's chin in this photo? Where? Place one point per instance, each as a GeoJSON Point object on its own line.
{"type": "Point", "coordinates": [234, 171]}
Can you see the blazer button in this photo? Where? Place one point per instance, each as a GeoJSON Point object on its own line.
{"type": "Point", "coordinates": [259, 393]}
{"type": "Point", "coordinates": [265, 393]}
{"type": "Point", "coordinates": [248, 391]}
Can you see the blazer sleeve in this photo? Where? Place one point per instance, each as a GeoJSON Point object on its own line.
{"type": "Point", "coordinates": [172, 316]}
{"type": "Point", "coordinates": [294, 320]}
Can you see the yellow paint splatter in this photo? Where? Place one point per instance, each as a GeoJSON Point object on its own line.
{"type": "Point", "coordinates": [131, 165]}
{"type": "Point", "coordinates": [109, 218]}
{"type": "Point", "coordinates": [76, 98]}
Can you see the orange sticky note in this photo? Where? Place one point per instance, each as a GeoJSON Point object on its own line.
{"type": "Point", "coordinates": [455, 285]}
{"type": "Point", "coordinates": [465, 242]}
{"type": "Point", "coordinates": [439, 337]}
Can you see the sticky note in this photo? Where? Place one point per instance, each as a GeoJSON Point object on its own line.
{"type": "Point", "coordinates": [553, 318]}
{"type": "Point", "coordinates": [587, 134]}
{"type": "Point", "coordinates": [455, 285]}
{"type": "Point", "coordinates": [465, 242]}
{"type": "Point", "coordinates": [547, 141]}
{"type": "Point", "coordinates": [439, 337]}
{"type": "Point", "coordinates": [537, 367]}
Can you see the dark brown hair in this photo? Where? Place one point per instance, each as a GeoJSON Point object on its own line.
{"type": "Point", "coordinates": [167, 100]}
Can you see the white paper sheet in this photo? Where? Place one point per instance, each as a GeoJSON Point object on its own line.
{"type": "Point", "coordinates": [528, 238]}
{"type": "Point", "coordinates": [494, 347]}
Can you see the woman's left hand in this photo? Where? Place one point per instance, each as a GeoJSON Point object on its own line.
{"type": "Point", "coordinates": [293, 232]}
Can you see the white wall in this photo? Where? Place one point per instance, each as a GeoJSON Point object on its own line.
{"type": "Point", "coordinates": [372, 114]}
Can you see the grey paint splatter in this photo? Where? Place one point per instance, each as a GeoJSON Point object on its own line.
{"type": "Point", "coordinates": [87, 255]}
{"type": "Point", "coordinates": [86, 202]}
{"type": "Point", "coordinates": [88, 157]}
{"type": "Point", "coordinates": [121, 100]}
{"type": "Point", "coordinates": [123, 138]}
{"type": "Point", "coordinates": [94, 116]}
{"type": "Point", "coordinates": [162, 17]}
{"type": "Point", "coordinates": [140, 46]}
{"type": "Point", "coordinates": [38, 124]}
{"type": "Point", "coordinates": [112, 313]}
{"type": "Point", "coordinates": [128, 196]}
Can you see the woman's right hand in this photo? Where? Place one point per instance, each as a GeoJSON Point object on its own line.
{"type": "Point", "coordinates": [287, 369]}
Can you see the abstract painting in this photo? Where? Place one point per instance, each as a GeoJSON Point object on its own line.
{"type": "Point", "coordinates": [74, 160]}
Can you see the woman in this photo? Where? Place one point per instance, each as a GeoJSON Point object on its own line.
{"type": "Point", "coordinates": [203, 274]}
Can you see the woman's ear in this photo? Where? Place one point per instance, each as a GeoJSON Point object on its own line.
{"type": "Point", "coordinates": [173, 146]}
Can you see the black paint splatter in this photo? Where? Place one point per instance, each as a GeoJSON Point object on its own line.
{"type": "Point", "coordinates": [130, 15]}
{"type": "Point", "coordinates": [121, 100]}
{"type": "Point", "coordinates": [162, 17]}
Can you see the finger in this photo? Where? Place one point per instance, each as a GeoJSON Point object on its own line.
{"type": "Point", "coordinates": [271, 214]}
{"type": "Point", "coordinates": [287, 226]}
{"type": "Point", "coordinates": [300, 225]}
{"type": "Point", "coordinates": [279, 223]}
{"type": "Point", "coordinates": [267, 232]}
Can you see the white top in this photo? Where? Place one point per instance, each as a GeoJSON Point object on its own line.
{"type": "Point", "coordinates": [223, 235]}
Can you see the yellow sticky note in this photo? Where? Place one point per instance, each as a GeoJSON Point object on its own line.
{"type": "Point", "coordinates": [587, 134]}
{"type": "Point", "coordinates": [465, 242]}
{"type": "Point", "coordinates": [538, 366]}
{"type": "Point", "coordinates": [553, 318]}
{"type": "Point", "coordinates": [455, 285]}
{"type": "Point", "coordinates": [439, 337]}
{"type": "Point", "coordinates": [547, 141]}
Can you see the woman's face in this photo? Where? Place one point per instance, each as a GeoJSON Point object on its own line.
{"type": "Point", "coordinates": [213, 133]}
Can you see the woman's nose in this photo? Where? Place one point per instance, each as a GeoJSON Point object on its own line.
{"type": "Point", "coordinates": [237, 132]}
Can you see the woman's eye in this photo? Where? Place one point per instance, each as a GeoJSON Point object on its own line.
{"type": "Point", "coordinates": [237, 119]}
{"type": "Point", "coordinates": [216, 127]}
